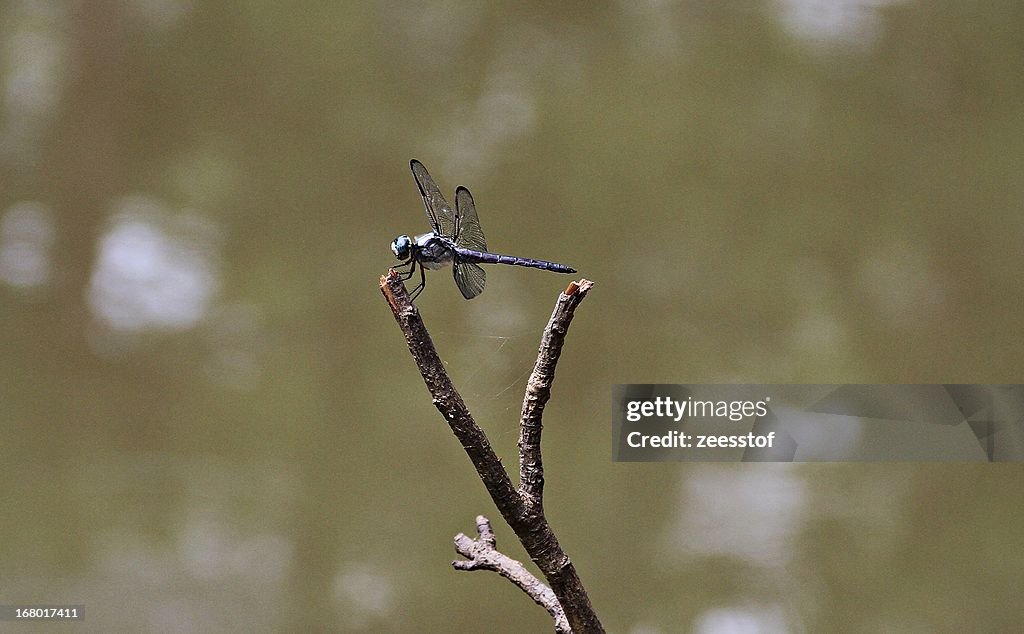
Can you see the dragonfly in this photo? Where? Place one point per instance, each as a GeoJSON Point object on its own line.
{"type": "Point", "coordinates": [455, 238]}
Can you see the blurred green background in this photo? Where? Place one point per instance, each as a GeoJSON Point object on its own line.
{"type": "Point", "coordinates": [210, 420]}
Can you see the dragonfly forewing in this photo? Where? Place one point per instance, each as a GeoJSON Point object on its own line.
{"type": "Point", "coordinates": [439, 212]}
{"type": "Point", "coordinates": [467, 224]}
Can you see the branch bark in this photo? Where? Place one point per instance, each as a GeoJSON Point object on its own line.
{"type": "Point", "coordinates": [522, 509]}
{"type": "Point", "coordinates": [538, 391]}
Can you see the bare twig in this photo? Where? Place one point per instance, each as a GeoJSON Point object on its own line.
{"type": "Point", "coordinates": [538, 391]}
{"type": "Point", "coordinates": [523, 510]}
{"type": "Point", "coordinates": [482, 554]}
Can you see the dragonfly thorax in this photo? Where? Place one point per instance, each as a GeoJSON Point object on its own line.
{"type": "Point", "coordinates": [433, 251]}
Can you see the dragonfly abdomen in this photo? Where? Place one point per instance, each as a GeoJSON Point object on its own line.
{"type": "Point", "coordinates": [483, 257]}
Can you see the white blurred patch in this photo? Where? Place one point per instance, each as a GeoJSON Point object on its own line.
{"type": "Point", "coordinates": [505, 111]}
{"type": "Point", "coordinates": [817, 334]}
{"type": "Point", "coordinates": [163, 14]}
{"type": "Point", "coordinates": [743, 620]}
{"type": "Point", "coordinates": [211, 547]}
{"type": "Point", "coordinates": [833, 21]}
{"type": "Point", "coordinates": [749, 514]}
{"type": "Point", "coordinates": [902, 287]}
{"type": "Point", "coordinates": [26, 237]}
{"type": "Point", "coordinates": [32, 74]}
{"type": "Point", "coordinates": [364, 594]}
{"type": "Point", "coordinates": [433, 26]}
{"type": "Point", "coordinates": [154, 271]}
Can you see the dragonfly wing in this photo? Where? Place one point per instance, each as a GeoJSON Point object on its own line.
{"type": "Point", "coordinates": [470, 278]}
{"type": "Point", "coordinates": [468, 233]}
{"type": "Point", "coordinates": [439, 212]}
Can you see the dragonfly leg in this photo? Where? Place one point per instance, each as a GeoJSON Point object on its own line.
{"type": "Point", "coordinates": [422, 285]}
{"type": "Point", "coordinates": [406, 273]}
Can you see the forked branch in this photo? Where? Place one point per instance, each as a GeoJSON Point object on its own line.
{"type": "Point", "coordinates": [523, 508]}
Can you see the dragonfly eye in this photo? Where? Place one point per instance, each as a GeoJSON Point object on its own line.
{"type": "Point", "coordinates": [401, 247]}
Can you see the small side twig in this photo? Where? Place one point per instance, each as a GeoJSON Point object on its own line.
{"type": "Point", "coordinates": [482, 554]}
{"type": "Point", "coordinates": [522, 509]}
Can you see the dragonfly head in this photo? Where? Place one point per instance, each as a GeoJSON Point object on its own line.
{"type": "Point", "coordinates": [402, 248]}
